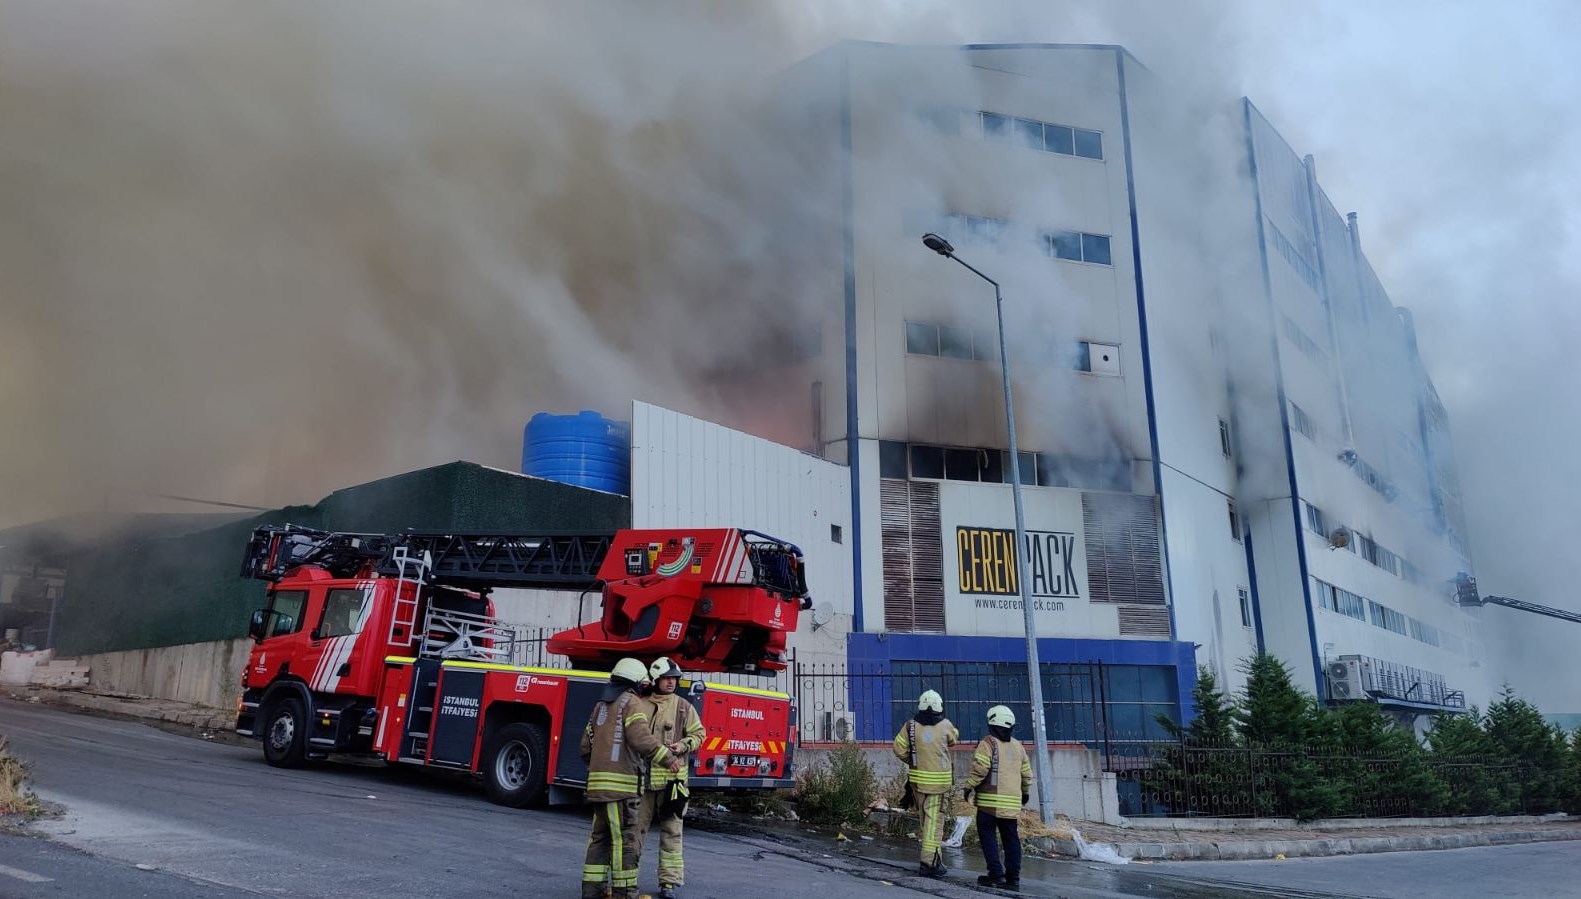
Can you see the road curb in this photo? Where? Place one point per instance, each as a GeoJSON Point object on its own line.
{"type": "Point", "coordinates": [1246, 850]}
{"type": "Point", "coordinates": [196, 717]}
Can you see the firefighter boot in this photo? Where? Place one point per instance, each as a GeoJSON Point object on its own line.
{"type": "Point", "coordinates": [666, 892]}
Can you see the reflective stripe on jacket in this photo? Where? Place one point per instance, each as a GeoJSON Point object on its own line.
{"type": "Point", "coordinates": [674, 720]}
{"type": "Point", "coordinates": [930, 772]}
{"type": "Point", "coordinates": [618, 745]}
{"type": "Point", "coordinates": [993, 778]}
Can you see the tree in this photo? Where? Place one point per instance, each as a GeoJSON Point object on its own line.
{"type": "Point", "coordinates": [1382, 769]}
{"type": "Point", "coordinates": [1477, 781]}
{"type": "Point", "coordinates": [1287, 732]}
{"type": "Point", "coordinates": [1519, 733]}
{"type": "Point", "coordinates": [1204, 773]}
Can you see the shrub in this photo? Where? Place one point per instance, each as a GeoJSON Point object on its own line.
{"type": "Point", "coordinates": [15, 797]}
{"type": "Point", "coordinates": [837, 790]}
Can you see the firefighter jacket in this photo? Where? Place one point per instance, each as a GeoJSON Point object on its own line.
{"type": "Point", "coordinates": [674, 720]}
{"type": "Point", "coordinates": [1000, 776]}
{"type": "Point", "coordinates": [618, 746]}
{"type": "Point", "coordinates": [925, 748]}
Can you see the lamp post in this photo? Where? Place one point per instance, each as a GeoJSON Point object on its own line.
{"type": "Point", "coordinates": [1034, 676]}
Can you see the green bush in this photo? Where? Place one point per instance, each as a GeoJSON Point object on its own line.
{"type": "Point", "coordinates": [837, 790]}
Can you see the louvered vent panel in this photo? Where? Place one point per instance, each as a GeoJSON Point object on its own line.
{"type": "Point", "coordinates": [927, 558]}
{"type": "Point", "coordinates": [1123, 560]}
{"type": "Point", "coordinates": [894, 505]}
{"type": "Point", "coordinates": [1144, 621]}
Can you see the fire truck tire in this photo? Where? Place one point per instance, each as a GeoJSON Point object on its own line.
{"type": "Point", "coordinates": [285, 733]}
{"type": "Point", "coordinates": [514, 765]}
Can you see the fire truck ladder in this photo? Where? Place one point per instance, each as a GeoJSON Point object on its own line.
{"type": "Point", "coordinates": [1466, 595]}
{"type": "Point", "coordinates": [466, 561]}
{"type": "Point", "coordinates": [453, 634]}
{"type": "Point", "coordinates": [410, 568]}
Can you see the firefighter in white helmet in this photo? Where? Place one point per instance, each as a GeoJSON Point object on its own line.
{"type": "Point", "coordinates": [675, 723]}
{"type": "Point", "coordinates": [924, 745]}
{"type": "Point", "coordinates": [1001, 779]}
{"type": "Point", "coordinates": [618, 746]}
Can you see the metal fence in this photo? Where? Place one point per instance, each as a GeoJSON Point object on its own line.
{"type": "Point", "coordinates": [1114, 712]}
{"type": "Point", "coordinates": [1176, 779]}
{"type": "Point", "coordinates": [837, 702]}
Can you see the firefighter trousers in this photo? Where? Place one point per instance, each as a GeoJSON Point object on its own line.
{"type": "Point", "coordinates": [930, 809]}
{"type": "Point", "coordinates": [672, 867]}
{"type": "Point", "coordinates": [613, 851]}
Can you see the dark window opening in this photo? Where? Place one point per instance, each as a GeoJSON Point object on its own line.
{"type": "Point", "coordinates": [927, 461]}
{"type": "Point", "coordinates": [892, 459]}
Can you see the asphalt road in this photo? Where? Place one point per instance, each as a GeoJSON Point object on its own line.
{"type": "Point", "coordinates": [165, 814]}
{"type": "Point", "coordinates": [1492, 872]}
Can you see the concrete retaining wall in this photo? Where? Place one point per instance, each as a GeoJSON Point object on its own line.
{"type": "Point", "coordinates": [207, 674]}
{"type": "Point", "coordinates": [1083, 791]}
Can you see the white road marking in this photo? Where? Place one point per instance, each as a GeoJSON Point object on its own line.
{"type": "Point", "coordinates": [24, 876]}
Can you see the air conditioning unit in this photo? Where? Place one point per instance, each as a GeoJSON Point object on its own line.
{"type": "Point", "coordinates": [1340, 538]}
{"type": "Point", "coordinates": [1346, 678]}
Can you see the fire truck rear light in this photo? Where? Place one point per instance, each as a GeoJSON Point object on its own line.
{"type": "Point", "coordinates": [765, 766]}
{"type": "Point", "coordinates": [719, 764]}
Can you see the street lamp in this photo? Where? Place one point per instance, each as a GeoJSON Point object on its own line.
{"type": "Point", "coordinates": [1034, 677]}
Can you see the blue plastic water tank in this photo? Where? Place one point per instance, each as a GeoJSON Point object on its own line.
{"type": "Point", "coordinates": [587, 450]}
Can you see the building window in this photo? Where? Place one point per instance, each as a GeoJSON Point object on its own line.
{"type": "Point", "coordinates": [1224, 438]}
{"type": "Point", "coordinates": [922, 338]}
{"type": "Point", "coordinates": [1344, 602]}
{"type": "Point", "coordinates": [1098, 358]}
{"type": "Point", "coordinates": [1302, 268]}
{"type": "Point", "coordinates": [892, 459]}
{"type": "Point", "coordinates": [1246, 607]}
{"type": "Point", "coordinates": [1315, 520]}
{"type": "Point", "coordinates": [1030, 133]}
{"type": "Point", "coordinates": [836, 534]}
{"type": "Point", "coordinates": [1387, 618]}
{"type": "Point", "coordinates": [1077, 246]}
{"type": "Point", "coordinates": [1235, 521]}
{"type": "Point", "coordinates": [955, 343]}
{"type": "Point", "coordinates": [1089, 144]}
{"type": "Point", "coordinates": [927, 461]}
{"type": "Point", "coordinates": [1301, 423]}
{"type": "Point", "coordinates": [1302, 342]}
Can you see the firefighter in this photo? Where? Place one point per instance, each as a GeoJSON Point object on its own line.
{"type": "Point", "coordinates": [924, 745]}
{"type": "Point", "coordinates": [618, 745]}
{"type": "Point", "coordinates": [676, 724]}
{"type": "Point", "coordinates": [1001, 779]}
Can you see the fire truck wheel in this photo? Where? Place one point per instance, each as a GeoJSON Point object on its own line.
{"type": "Point", "coordinates": [285, 733]}
{"type": "Point", "coordinates": [513, 765]}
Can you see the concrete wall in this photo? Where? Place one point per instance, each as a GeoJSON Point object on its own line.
{"type": "Point", "coordinates": [1082, 790]}
{"type": "Point", "coordinates": [202, 673]}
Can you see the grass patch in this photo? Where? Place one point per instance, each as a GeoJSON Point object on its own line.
{"type": "Point", "coordinates": [16, 800]}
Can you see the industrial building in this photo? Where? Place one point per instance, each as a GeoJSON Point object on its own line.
{"type": "Point", "coordinates": [1229, 442]}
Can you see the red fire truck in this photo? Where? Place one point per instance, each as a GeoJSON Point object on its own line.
{"type": "Point", "coordinates": [387, 645]}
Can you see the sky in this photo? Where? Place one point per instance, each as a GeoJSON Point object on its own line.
{"type": "Point", "coordinates": [255, 253]}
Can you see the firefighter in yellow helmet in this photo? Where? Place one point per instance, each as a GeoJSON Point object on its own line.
{"type": "Point", "coordinates": [618, 746]}
{"type": "Point", "coordinates": [675, 723]}
{"type": "Point", "coordinates": [1001, 779]}
{"type": "Point", "coordinates": [924, 745]}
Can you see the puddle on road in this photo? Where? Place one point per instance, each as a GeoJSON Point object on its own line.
{"type": "Point", "coordinates": [1040, 877]}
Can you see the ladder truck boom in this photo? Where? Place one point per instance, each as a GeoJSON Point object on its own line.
{"type": "Point", "coordinates": [652, 587]}
{"type": "Point", "coordinates": [1466, 595]}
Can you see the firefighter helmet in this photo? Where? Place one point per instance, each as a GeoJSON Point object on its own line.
{"type": "Point", "coordinates": [930, 701]}
{"type": "Point", "coordinates": [1001, 716]}
{"type": "Point", "coordinates": [630, 670]}
{"type": "Point", "coordinates": [663, 666]}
